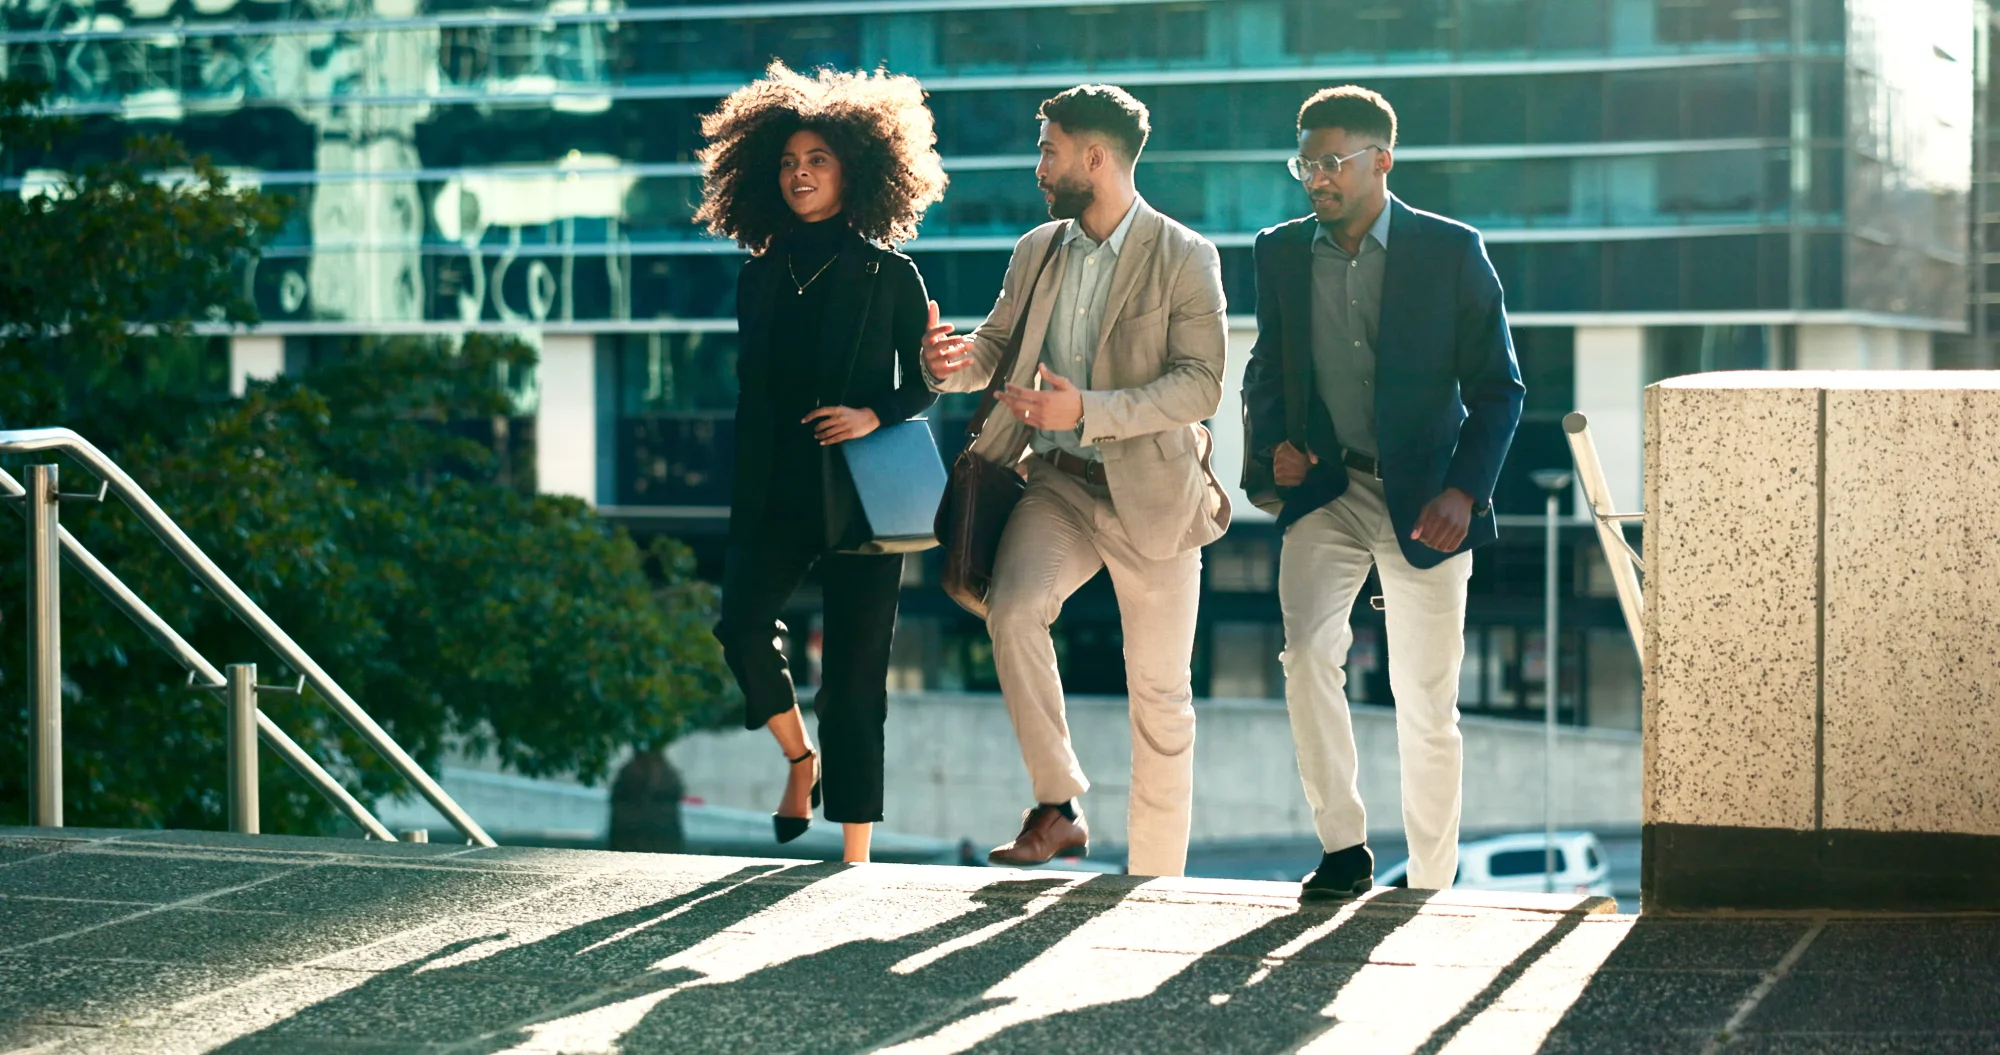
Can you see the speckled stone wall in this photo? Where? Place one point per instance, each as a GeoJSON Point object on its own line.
{"type": "Point", "coordinates": [1823, 637]}
{"type": "Point", "coordinates": [1912, 734]}
{"type": "Point", "coordinates": [1731, 591]}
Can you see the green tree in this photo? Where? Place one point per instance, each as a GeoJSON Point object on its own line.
{"type": "Point", "coordinates": [366, 505]}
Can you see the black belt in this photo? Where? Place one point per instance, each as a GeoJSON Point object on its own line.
{"type": "Point", "coordinates": [1084, 469]}
{"type": "Point", "coordinates": [1361, 463]}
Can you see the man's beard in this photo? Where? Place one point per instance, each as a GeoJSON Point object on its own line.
{"type": "Point", "coordinates": [1067, 201]}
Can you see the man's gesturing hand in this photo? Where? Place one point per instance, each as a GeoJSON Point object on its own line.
{"type": "Point", "coordinates": [1289, 465]}
{"type": "Point", "coordinates": [944, 354]}
{"type": "Point", "coordinates": [1057, 408]}
{"type": "Point", "coordinates": [1443, 523]}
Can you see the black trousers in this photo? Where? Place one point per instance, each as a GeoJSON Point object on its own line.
{"type": "Point", "coordinates": [860, 623]}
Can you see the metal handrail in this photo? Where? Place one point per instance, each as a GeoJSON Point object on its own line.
{"type": "Point", "coordinates": [177, 647]}
{"type": "Point", "coordinates": [1624, 562]}
{"type": "Point", "coordinates": [24, 441]}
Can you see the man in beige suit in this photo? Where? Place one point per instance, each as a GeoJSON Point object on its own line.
{"type": "Point", "coordinates": [1121, 360]}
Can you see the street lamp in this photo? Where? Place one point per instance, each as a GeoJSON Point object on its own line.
{"type": "Point", "coordinates": [1554, 482]}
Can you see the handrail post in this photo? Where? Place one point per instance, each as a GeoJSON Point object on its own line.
{"type": "Point", "coordinates": [1610, 532]}
{"type": "Point", "coordinates": [243, 804]}
{"type": "Point", "coordinates": [45, 644]}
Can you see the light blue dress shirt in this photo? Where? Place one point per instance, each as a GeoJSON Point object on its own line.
{"type": "Point", "coordinates": [1070, 348]}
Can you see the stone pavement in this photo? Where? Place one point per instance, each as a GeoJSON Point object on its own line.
{"type": "Point", "coordinates": [172, 942]}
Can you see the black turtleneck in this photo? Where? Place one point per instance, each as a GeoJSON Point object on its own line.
{"type": "Point", "coordinates": [797, 330]}
{"type": "Point", "coordinates": [804, 258]}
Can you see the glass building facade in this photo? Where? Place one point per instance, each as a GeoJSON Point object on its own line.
{"type": "Point", "coordinates": [1665, 186]}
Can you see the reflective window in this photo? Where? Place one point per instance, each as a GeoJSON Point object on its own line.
{"type": "Point", "coordinates": [512, 172]}
{"type": "Point", "coordinates": [1423, 109]}
{"type": "Point", "coordinates": [676, 401]}
{"type": "Point", "coordinates": [1644, 275]}
{"type": "Point", "coordinates": [1352, 28]}
{"type": "Point", "coordinates": [1565, 108]}
{"type": "Point", "coordinates": [995, 202]}
{"type": "Point", "coordinates": [492, 286]}
{"type": "Point", "coordinates": [674, 373]}
{"type": "Point", "coordinates": [1560, 276]}
{"type": "Point", "coordinates": [1721, 274]}
{"type": "Point", "coordinates": [1493, 110]}
{"type": "Point", "coordinates": [1524, 862]}
{"type": "Point", "coordinates": [995, 40]}
{"type": "Point", "coordinates": [1723, 21]}
{"type": "Point", "coordinates": [1569, 26]}
{"type": "Point", "coordinates": [1701, 103]}
{"type": "Point", "coordinates": [963, 283]}
{"type": "Point", "coordinates": [1644, 104]}
{"type": "Point", "coordinates": [1673, 351]}
{"type": "Point", "coordinates": [1728, 103]}
{"type": "Point", "coordinates": [1493, 26]}
{"type": "Point", "coordinates": [1826, 270]}
{"type": "Point", "coordinates": [1910, 98]}
{"type": "Point", "coordinates": [1548, 370]}
{"type": "Point", "coordinates": [1827, 85]}
{"type": "Point", "coordinates": [973, 124]}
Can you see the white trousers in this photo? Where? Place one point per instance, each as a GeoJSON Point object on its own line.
{"type": "Point", "coordinates": [1323, 566]}
{"type": "Point", "coordinates": [1059, 535]}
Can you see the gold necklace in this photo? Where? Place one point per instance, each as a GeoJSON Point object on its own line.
{"type": "Point", "coordinates": [816, 274]}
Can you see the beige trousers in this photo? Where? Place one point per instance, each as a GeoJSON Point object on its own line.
{"type": "Point", "coordinates": [1060, 534]}
{"type": "Point", "coordinates": [1322, 567]}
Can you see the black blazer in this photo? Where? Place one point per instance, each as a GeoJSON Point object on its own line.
{"type": "Point", "coordinates": [1447, 388]}
{"type": "Point", "coordinates": [872, 358]}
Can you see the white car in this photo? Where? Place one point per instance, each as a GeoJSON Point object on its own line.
{"type": "Point", "coordinates": [1516, 863]}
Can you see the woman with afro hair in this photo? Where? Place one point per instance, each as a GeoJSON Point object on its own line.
{"type": "Point", "coordinates": [818, 175]}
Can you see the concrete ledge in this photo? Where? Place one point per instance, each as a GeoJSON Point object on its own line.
{"type": "Point", "coordinates": [1694, 867]}
{"type": "Point", "coordinates": [1822, 687]}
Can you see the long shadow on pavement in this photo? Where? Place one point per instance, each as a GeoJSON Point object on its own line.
{"type": "Point", "coordinates": [604, 961]}
{"type": "Point", "coordinates": [847, 997]}
{"type": "Point", "coordinates": [1250, 994]}
{"type": "Point", "coordinates": [1503, 981]}
{"type": "Point", "coordinates": [864, 994]}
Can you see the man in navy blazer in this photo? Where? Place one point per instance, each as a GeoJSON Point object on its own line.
{"type": "Point", "coordinates": [1379, 403]}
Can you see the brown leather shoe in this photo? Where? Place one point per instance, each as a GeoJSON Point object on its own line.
{"type": "Point", "coordinates": [1045, 833]}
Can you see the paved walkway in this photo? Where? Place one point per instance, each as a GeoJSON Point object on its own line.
{"type": "Point", "coordinates": [172, 942]}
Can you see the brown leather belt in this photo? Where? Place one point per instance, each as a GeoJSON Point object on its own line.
{"type": "Point", "coordinates": [1084, 469]}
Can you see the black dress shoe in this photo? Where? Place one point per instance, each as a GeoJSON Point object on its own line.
{"type": "Point", "coordinates": [1341, 874]}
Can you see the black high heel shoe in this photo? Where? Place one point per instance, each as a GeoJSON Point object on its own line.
{"type": "Point", "coordinates": [789, 828]}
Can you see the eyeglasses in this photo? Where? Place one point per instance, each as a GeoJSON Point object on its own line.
{"type": "Point", "coordinates": [1302, 169]}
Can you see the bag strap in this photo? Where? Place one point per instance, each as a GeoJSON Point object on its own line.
{"type": "Point", "coordinates": [871, 267]}
{"type": "Point", "coordinates": [1005, 370]}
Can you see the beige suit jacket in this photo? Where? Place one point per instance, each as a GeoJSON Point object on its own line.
{"type": "Point", "coordinates": [1157, 376]}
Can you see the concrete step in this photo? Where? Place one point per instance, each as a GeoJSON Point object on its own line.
{"type": "Point", "coordinates": [197, 941]}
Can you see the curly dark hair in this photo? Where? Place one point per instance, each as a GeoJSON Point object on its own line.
{"type": "Point", "coordinates": [877, 125]}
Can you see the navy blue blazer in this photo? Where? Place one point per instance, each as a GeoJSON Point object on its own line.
{"type": "Point", "coordinates": [1447, 388]}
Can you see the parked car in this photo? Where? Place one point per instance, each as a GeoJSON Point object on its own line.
{"type": "Point", "coordinates": [1515, 863]}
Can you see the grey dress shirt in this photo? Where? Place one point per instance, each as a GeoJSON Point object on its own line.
{"type": "Point", "coordinates": [1070, 348]}
{"type": "Point", "coordinates": [1346, 317]}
